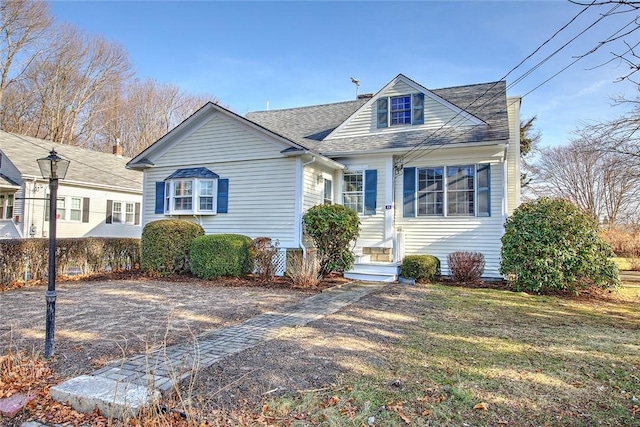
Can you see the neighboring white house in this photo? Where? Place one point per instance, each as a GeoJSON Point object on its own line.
{"type": "Point", "coordinates": [428, 171]}
{"type": "Point", "coordinates": [99, 197]}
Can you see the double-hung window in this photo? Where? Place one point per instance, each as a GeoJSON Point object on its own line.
{"type": "Point", "coordinates": [192, 191]}
{"type": "Point", "coordinates": [121, 212]}
{"type": "Point", "coordinates": [447, 191]}
{"type": "Point", "coordinates": [75, 213]}
{"type": "Point", "coordinates": [430, 191]}
{"type": "Point", "coordinates": [400, 110]}
{"type": "Point", "coordinates": [205, 195]}
{"type": "Point", "coordinates": [359, 191]}
{"type": "Point", "coordinates": [6, 206]}
{"type": "Point", "coordinates": [461, 190]}
{"type": "Point", "coordinates": [190, 196]}
{"type": "Point", "coordinates": [353, 193]}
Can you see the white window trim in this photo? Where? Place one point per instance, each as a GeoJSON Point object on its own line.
{"type": "Point", "coordinates": [70, 209]}
{"type": "Point", "coordinates": [352, 169]}
{"type": "Point", "coordinates": [169, 197]}
{"type": "Point", "coordinates": [123, 212]}
{"type": "Point", "coordinates": [445, 197]}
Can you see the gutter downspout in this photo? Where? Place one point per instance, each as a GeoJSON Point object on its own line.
{"type": "Point", "coordinates": [300, 185]}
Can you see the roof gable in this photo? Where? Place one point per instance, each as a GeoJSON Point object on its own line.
{"type": "Point", "coordinates": [438, 110]}
{"type": "Point", "coordinates": [193, 123]}
{"type": "Point", "coordinates": [484, 115]}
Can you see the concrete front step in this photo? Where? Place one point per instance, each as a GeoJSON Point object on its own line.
{"type": "Point", "coordinates": [373, 272]}
{"type": "Point", "coordinates": [112, 398]}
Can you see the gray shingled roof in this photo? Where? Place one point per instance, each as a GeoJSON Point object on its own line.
{"type": "Point", "coordinates": [193, 173]}
{"type": "Point", "coordinates": [87, 167]}
{"type": "Point", "coordinates": [308, 126]}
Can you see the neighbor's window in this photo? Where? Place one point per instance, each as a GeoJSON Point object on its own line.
{"type": "Point", "coordinates": [6, 206]}
{"type": "Point", "coordinates": [353, 190]}
{"type": "Point", "coordinates": [129, 213]}
{"type": "Point", "coordinates": [75, 209]}
{"type": "Point", "coordinates": [117, 212]}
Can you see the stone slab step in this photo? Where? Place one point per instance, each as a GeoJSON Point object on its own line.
{"type": "Point", "coordinates": [113, 399]}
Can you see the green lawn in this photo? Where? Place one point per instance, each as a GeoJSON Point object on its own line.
{"type": "Point", "coordinates": [482, 357]}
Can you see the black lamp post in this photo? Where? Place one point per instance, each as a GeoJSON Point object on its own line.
{"type": "Point", "coordinates": [52, 167]}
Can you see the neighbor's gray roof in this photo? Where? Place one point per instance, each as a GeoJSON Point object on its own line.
{"type": "Point", "coordinates": [308, 126]}
{"type": "Point", "coordinates": [87, 167]}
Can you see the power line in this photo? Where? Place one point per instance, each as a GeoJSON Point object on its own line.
{"type": "Point", "coordinates": [406, 157]}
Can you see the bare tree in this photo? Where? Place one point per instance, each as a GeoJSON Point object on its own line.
{"type": "Point", "coordinates": [143, 112]}
{"type": "Point", "coordinates": [22, 26]}
{"type": "Point", "coordinates": [627, 46]}
{"type": "Point", "coordinates": [66, 80]}
{"type": "Point", "coordinates": [597, 182]}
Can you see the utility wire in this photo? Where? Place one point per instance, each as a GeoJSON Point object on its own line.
{"type": "Point", "coordinates": [406, 157]}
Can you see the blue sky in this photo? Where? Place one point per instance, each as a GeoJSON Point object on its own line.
{"type": "Point", "coordinates": [291, 54]}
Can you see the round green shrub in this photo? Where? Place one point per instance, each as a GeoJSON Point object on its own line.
{"type": "Point", "coordinates": [422, 268]}
{"type": "Point", "coordinates": [550, 245]}
{"type": "Point", "coordinates": [220, 255]}
{"type": "Point", "coordinates": [165, 246]}
{"type": "Point", "coordinates": [333, 229]}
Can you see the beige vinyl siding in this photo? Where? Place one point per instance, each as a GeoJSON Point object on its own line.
{"type": "Point", "coordinates": [96, 227]}
{"type": "Point", "coordinates": [436, 114]}
{"type": "Point", "coordinates": [262, 181]}
{"type": "Point", "coordinates": [219, 140]}
{"type": "Point", "coordinates": [313, 186]}
{"type": "Point", "coordinates": [513, 154]}
{"type": "Point", "coordinates": [371, 226]}
{"type": "Point", "coordinates": [438, 235]}
{"type": "Point", "coordinates": [261, 199]}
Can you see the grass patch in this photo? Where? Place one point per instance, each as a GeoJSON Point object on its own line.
{"type": "Point", "coordinates": [490, 357]}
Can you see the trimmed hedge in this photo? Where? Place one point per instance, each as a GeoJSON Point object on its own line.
{"type": "Point", "coordinates": [218, 255]}
{"type": "Point", "coordinates": [423, 268]}
{"type": "Point", "coordinates": [165, 246]}
{"type": "Point", "coordinates": [89, 254]}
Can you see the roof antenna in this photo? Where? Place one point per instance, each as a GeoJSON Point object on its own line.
{"type": "Point", "coordinates": [357, 83]}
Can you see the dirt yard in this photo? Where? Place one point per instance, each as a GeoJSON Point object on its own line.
{"type": "Point", "coordinates": [98, 321]}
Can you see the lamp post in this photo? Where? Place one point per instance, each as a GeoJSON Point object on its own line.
{"type": "Point", "coordinates": [52, 167]}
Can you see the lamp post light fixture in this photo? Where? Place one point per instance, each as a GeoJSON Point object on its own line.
{"type": "Point", "coordinates": [52, 167]}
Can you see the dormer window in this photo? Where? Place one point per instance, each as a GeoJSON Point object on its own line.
{"type": "Point", "coordinates": [400, 110]}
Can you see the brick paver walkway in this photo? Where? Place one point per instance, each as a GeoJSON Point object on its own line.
{"type": "Point", "coordinates": [163, 368]}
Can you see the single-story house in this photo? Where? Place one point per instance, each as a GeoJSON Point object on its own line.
{"type": "Point", "coordinates": [99, 196]}
{"type": "Point", "coordinates": [428, 171]}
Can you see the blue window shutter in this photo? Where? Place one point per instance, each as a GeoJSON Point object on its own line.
{"type": "Point", "coordinates": [409, 192]}
{"type": "Point", "coordinates": [484, 189]}
{"type": "Point", "coordinates": [417, 107]}
{"type": "Point", "coordinates": [370, 191]}
{"type": "Point", "coordinates": [159, 197]}
{"type": "Point", "coordinates": [382, 112]}
{"type": "Point", "coordinates": [223, 196]}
